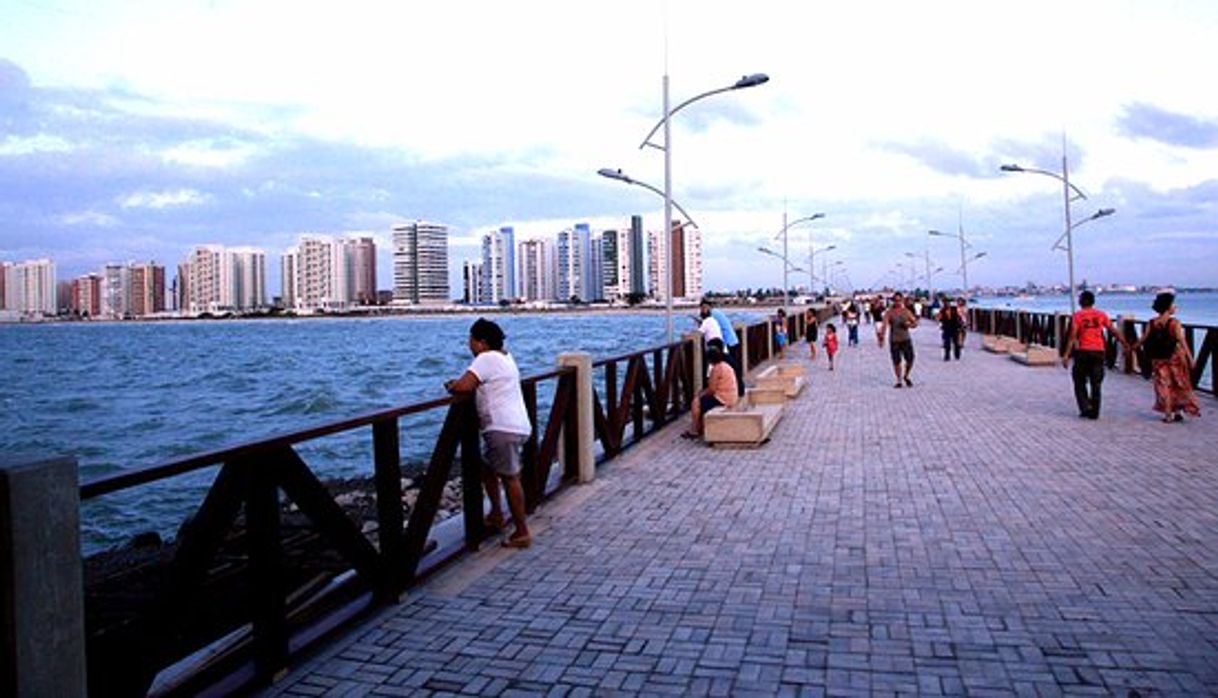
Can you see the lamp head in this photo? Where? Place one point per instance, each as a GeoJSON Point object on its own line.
{"type": "Point", "coordinates": [814, 216]}
{"type": "Point", "coordinates": [1104, 212]}
{"type": "Point", "coordinates": [830, 247]}
{"type": "Point", "coordinates": [936, 232]}
{"type": "Point", "coordinates": [613, 174]}
{"type": "Point", "coordinates": [1011, 168]}
{"type": "Point", "coordinates": [751, 81]}
{"type": "Point", "coordinates": [979, 255]}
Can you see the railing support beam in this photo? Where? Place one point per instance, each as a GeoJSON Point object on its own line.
{"type": "Point", "coordinates": [585, 427]}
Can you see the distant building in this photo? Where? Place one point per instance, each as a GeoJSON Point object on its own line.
{"type": "Point", "coordinates": [220, 279]}
{"type": "Point", "coordinates": [686, 241]}
{"type": "Point", "coordinates": [571, 257]}
{"type": "Point", "coordinates": [498, 265]}
{"type": "Point", "coordinates": [471, 282]}
{"type": "Point", "coordinates": [594, 270]}
{"type": "Point", "coordinates": [325, 273]}
{"type": "Point", "coordinates": [617, 255]}
{"type": "Point", "coordinates": [29, 287]}
{"type": "Point", "coordinates": [85, 297]}
{"type": "Point", "coordinates": [420, 263]}
{"type": "Point", "coordinates": [535, 269]}
{"type": "Point", "coordinates": [637, 278]}
{"type": "Point", "coordinates": [116, 297]}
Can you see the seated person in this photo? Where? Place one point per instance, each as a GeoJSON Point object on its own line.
{"type": "Point", "coordinates": [720, 390]}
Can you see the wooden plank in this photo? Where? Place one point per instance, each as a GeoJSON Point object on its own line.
{"type": "Point", "coordinates": [266, 573]}
{"type": "Point", "coordinates": [386, 453]}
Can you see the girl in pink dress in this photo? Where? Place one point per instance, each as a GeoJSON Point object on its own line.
{"type": "Point", "coordinates": [830, 343]}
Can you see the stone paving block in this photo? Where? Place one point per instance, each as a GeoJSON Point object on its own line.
{"type": "Point", "coordinates": [966, 535]}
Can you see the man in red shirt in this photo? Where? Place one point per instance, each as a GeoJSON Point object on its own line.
{"type": "Point", "coordinates": [1087, 345]}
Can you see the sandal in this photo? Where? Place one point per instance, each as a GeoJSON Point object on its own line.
{"type": "Point", "coordinates": [690, 435]}
{"type": "Point", "coordinates": [494, 522]}
{"type": "Point", "coordinates": [517, 543]}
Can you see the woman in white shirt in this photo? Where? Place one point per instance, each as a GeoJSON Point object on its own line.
{"type": "Point", "coordinates": [494, 380]}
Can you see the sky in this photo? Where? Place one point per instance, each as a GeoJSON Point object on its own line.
{"type": "Point", "coordinates": [134, 130]}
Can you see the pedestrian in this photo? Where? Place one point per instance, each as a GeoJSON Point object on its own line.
{"type": "Point", "coordinates": [949, 329]}
{"type": "Point", "coordinates": [877, 317]}
{"type": "Point", "coordinates": [720, 391]}
{"type": "Point", "coordinates": [830, 343]}
{"type": "Point", "coordinates": [494, 380]}
{"type": "Point", "coordinates": [1171, 361]}
{"type": "Point", "coordinates": [780, 333]}
{"type": "Point", "coordinates": [811, 330]}
{"type": "Point", "coordinates": [730, 340]}
{"type": "Point", "coordinates": [1086, 344]}
{"type": "Point", "coordinates": [900, 321]}
{"type": "Point", "coordinates": [962, 311]}
{"type": "Point", "coordinates": [852, 324]}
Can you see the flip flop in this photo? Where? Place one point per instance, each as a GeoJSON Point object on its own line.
{"type": "Point", "coordinates": [690, 435]}
{"type": "Point", "coordinates": [495, 523]}
{"type": "Point", "coordinates": [518, 543]}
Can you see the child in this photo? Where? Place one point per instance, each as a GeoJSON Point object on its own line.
{"type": "Point", "coordinates": [830, 343]}
{"type": "Point", "coordinates": [810, 334]}
{"type": "Point", "coordinates": [780, 334]}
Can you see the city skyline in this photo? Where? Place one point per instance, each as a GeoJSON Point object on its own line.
{"type": "Point", "coordinates": [891, 119]}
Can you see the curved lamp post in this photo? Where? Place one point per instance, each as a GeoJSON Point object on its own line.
{"type": "Point", "coordinates": [786, 267]}
{"type": "Point", "coordinates": [786, 292]}
{"type": "Point", "coordinates": [623, 177]}
{"type": "Point", "coordinates": [964, 259]}
{"type": "Point", "coordinates": [812, 263]}
{"type": "Point", "coordinates": [1067, 188]}
{"type": "Point", "coordinates": [665, 121]}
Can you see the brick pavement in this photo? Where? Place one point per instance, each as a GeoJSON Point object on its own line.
{"type": "Point", "coordinates": [968, 535]}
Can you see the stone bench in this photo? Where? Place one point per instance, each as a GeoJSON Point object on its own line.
{"type": "Point", "coordinates": [1036, 355]}
{"type": "Point", "coordinates": [788, 377]}
{"type": "Point", "coordinates": [746, 424]}
{"type": "Point", "coordinates": [774, 395]}
{"type": "Point", "coordinates": [1002, 344]}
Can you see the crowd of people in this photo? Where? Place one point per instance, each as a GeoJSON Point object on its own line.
{"type": "Point", "coordinates": [494, 379]}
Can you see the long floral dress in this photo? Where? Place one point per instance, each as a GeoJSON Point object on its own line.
{"type": "Point", "coordinates": [1173, 384]}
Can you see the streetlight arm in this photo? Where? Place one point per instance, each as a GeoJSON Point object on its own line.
{"type": "Point", "coordinates": [623, 177]}
{"type": "Point", "coordinates": [746, 81]}
{"type": "Point", "coordinates": [1047, 173]}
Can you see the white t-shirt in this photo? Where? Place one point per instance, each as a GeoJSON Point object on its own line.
{"type": "Point", "coordinates": [499, 400]}
{"type": "Point", "coordinates": [710, 329]}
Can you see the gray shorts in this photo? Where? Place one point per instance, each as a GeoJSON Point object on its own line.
{"type": "Point", "coordinates": [501, 452]}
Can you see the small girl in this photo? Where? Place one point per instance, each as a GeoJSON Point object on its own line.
{"type": "Point", "coordinates": [830, 343]}
{"type": "Point", "coordinates": [810, 333]}
{"type": "Point", "coordinates": [780, 333]}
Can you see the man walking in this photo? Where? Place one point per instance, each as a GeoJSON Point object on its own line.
{"type": "Point", "coordinates": [1088, 346]}
{"type": "Point", "coordinates": [898, 321]}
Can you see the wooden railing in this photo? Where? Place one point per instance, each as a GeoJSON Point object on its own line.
{"type": "Point", "coordinates": [1046, 328]}
{"type": "Point", "coordinates": [227, 606]}
{"type": "Point", "coordinates": [226, 583]}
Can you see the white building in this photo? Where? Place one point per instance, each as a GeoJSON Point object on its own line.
{"type": "Point", "coordinates": [499, 265]}
{"type": "Point", "coordinates": [28, 287]}
{"type": "Point", "coordinates": [325, 273]}
{"type": "Point", "coordinates": [219, 279]}
{"type": "Point", "coordinates": [420, 263]}
{"type": "Point", "coordinates": [686, 243]}
{"type": "Point", "coordinates": [536, 269]}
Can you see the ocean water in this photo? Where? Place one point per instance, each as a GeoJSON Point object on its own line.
{"type": "Point", "coordinates": [121, 396]}
{"type": "Point", "coordinates": [1200, 308]}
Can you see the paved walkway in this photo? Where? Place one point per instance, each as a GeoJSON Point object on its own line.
{"type": "Point", "coordinates": [968, 535]}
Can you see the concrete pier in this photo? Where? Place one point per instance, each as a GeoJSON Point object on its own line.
{"type": "Point", "coordinates": [968, 535]}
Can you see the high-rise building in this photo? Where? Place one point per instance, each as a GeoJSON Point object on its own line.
{"type": "Point", "coordinates": [361, 260]}
{"type": "Point", "coordinates": [147, 289]}
{"type": "Point", "coordinates": [536, 269]}
{"type": "Point", "coordinates": [686, 241]}
{"type": "Point", "coordinates": [570, 259]}
{"type": "Point", "coordinates": [594, 270]}
{"type": "Point", "coordinates": [116, 296]}
{"type": "Point", "coordinates": [315, 275]}
{"type": "Point", "coordinates": [617, 256]}
{"type": "Point", "coordinates": [420, 263]}
{"type": "Point", "coordinates": [471, 282]}
{"type": "Point", "coordinates": [86, 296]}
{"type": "Point", "coordinates": [637, 280]}
{"type": "Point", "coordinates": [29, 287]}
{"type": "Point", "coordinates": [219, 279]}
{"type": "Point", "coordinates": [498, 265]}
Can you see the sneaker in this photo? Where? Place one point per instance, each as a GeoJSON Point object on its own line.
{"type": "Point", "coordinates": [908, 383]}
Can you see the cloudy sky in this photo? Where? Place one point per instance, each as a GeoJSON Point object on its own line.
{"type": "Point", "coordinates": [134, 129]}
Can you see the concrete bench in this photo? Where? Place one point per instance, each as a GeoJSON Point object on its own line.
{"type": "Point", "coordinates": [1002, 344]}
{"type": "Point", "coordinates": [788, 377]}
{"type": "Point", "coordinates": [744, 425]}
{"type": "Point", "coordinates": [758, 395]}
{"type": "Point", "coordinates": [1036, 355]}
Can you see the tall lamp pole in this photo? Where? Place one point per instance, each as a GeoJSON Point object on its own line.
{"type": "Point", "coordinates": [786, 265]}
{"type": "Point", "coordinates": [665, 121]}
{"type": "Point", "coordinates": [964, 258]}
{"type": "Point", "coordinates": [1067, 198]}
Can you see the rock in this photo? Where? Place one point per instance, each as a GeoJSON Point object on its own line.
{"type": "Point", "coordinates": [369, 527]}
{"type": "Point", "coordinates": [147, 539]}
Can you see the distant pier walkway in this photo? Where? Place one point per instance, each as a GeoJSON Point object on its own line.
{"type": "Point", "coordinates": [968, 535]}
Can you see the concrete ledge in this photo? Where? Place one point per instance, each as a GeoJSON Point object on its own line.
{"type": "Point", "coordinates": [1036, 355]}
{"type": "Point", "coordinates": [745, 425]}
{"type": "Point", "coordinates": [766, 396]}
{"type": "Point", "coordinates": [787, 377]}
{"type": "Point", "coordinates": [1002, 344]}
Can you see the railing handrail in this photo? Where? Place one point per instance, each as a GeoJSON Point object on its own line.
{"type": "Point", "coordinates": [120, 481]}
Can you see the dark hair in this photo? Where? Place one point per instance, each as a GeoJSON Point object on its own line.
{"type": "Point", "coordinates": [831, 328]}
{"type": "Point", "coordinates": [1163, 302]}
{"type": "Point", "coordinates": [484, 330]}
{"type": "Point", "coordinates": [1086, 299]}
{"type": "Point", "coordinates": [714, 354]}
{"type": "Point", "coordinates": [715, 343]}
{"type": "Point", "coordinates": [706, 303]}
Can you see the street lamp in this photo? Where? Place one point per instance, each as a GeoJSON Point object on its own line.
{"type": "Point", "coordinates": [964, 259]}
{"type": "Point", "coordinates": [665, 121]}
{"type": "Point", "coordinates": [825, 266]}
{"type": "Point", "coordinates": [929, 287]}
{"type": "Point", "coordinates": [620, 176]}
{"type": "Point", "coordinates": [812, 262]}
{"type": "Point", "coordinates": [1067, 187]}
{"type": "Point", "coordinates": [786, 265]}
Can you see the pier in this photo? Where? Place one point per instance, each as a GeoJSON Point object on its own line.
{"type": "Point", "coordinates": [967, 535]}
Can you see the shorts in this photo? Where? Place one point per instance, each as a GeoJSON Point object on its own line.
{"type": "Point", "coordinates": [501, 452]}
{"type": "Point", "coordinates": [708, 403]}
{"type": "Point", "coordinates": [811, 334]}
{"type": "Point", "coordinates": [780, 339]}
{"type": "Point", "coordinates": [901, 350]}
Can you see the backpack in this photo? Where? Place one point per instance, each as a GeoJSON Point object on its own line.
{"type": "Point", "coordinates": [1161, 342]}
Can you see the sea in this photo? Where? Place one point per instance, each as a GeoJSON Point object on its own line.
{"type": "Point", "coordinates": [1197, 308]}
{"type": "Point", "coordinates": [119, 396]}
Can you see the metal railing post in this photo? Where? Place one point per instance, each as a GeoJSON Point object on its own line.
{"type": "Point", "coordinates": [585, 428]}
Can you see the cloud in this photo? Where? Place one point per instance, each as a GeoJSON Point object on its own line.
{"type": "Point", "coordinates": [40, 143]}
{"type": "Point", "coordinates": [89, 218]}
{"type": "Point", "coordinates": [942, 157]}
{"type": "Point", "coordinates": [1141, 120]}
{"type": "Point", "coordinates": [163, 199]}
